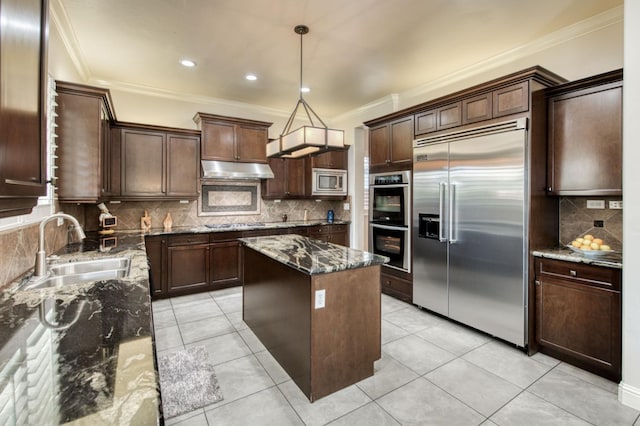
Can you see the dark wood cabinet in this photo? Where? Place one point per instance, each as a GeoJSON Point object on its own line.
{"type": "Point", "coordinates": [441, 118]}
{"type": "Point", "coordinates": [226, 264]}
{"type": "Point", "coordinates": [187, 264]}
{"type": "Point", "coordinates": [84, 117]}
{"type": "Point", "coordinates": [391, 145]}
{"type": "Point", "coordinates": [232, 139]}
{"type": "Point", "coordinates": [585, 136]}
{"type": "Point", "coordinates": [154, 163]}
{"type": "Point", "coordinates": [511, 99]}
{"type": "Point", "coordinates": [23, 103]}
{"type": "Point", "coordinates": [329, 160]}
{"type": "Point", "coordinates": [578, 315]}
{"type": "Point", "coordinates": [156, 247]}
{"type": "Point", "coordinates": [400, 287]}
{"type": "Point", "coordinates": [477, 108]}
{"type": "Point", "coordinates": [336, 234]}
{"type": "Point", "coordinates": [288, 181]}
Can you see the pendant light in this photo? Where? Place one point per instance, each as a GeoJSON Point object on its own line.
{"type": "Point", "coordinates": [308, 139]}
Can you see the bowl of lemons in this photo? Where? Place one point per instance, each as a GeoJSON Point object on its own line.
{"type": "Point", "coordinates": [590, 246]}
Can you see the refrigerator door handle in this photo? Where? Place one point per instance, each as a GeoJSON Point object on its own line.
{"type": "Point", "coordinates": [452, 207]}
{"type": "Point", "coordinates": [441, 188]}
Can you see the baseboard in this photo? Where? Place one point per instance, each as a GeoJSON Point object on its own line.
{"type": "Point", "coordinates": [629, 395]}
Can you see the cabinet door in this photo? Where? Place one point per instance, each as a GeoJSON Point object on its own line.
{"type": "Point", "coordinates": [275, 188]}
{"type": "Point", "coordinates": [330, 160]}
{"type": "Point", "coordinates": [426, 122]}
{"type": "Point", "coordinates": [105, 142]}
{"type": "Point", "coordinates": [188, 268]}
{"type": "Point", "coordinates": [295, 177]}
{"type": "Point", "coordinates": [402, 141]}
{"type": "Point", "coordinates": [511, 99]}
{"type": "Point", "coordinates": [218, 141]}
{"type": "Point", "coordinates": [580, 324]}
{"type": "Point", "coordinates": [80, 151]}
{"type": "Point", "coordinates": [340, 238]}
{"type": "Point", "coordinates": [585, 142]}
{"type": "Point", "coordinates": [156, 253]}
{"type": "Point", "coordinates": [143, 163]}
{"type": "Point", "coordinates": [23, 47]}
{"type": "Point", "coordinates": [477, 108]}
{"type": "Point", "coordinates": [182, 166]}
{"type": "Point", "coordinates": [251, 144]}
{"type": "Point", "coordinates": [449, 116]}
{"type": "Point", "coordinates": [226, 264]}
{"type": "Point", "coordinates": [379, 145]}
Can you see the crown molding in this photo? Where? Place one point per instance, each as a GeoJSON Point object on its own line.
{"type": "Point", "coordinates": [579, 29]}
{"type": "Point", "coordinates": [60, 20]}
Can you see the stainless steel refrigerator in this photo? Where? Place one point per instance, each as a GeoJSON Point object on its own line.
{"type": "Point", "coordinates": [470, 192]}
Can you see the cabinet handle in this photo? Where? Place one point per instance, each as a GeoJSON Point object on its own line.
{"type": "Point", "coordinates": [549, 189]}
{"type": "Point", "coordinates": [537, 282]}
{"type": "Point", "coordinates": [573, 273]}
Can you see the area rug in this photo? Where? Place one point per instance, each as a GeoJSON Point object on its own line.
{"type": "Point", "coordinates": [187, 381]}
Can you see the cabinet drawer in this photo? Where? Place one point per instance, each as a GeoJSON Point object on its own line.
{"type": "Point", "coordinates": [581, 273]}
{"type": "Point", "coordinates": [225, 236]}
{"type": "Point", "coordinates": [180, 240]}
{"type": "Point", "coordinates": [397, 286]}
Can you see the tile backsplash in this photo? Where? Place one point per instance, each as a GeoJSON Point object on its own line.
{"type": "Point", "coordinates": [576, 220]}
{"type": "Point", "coordinates": [129, 213]}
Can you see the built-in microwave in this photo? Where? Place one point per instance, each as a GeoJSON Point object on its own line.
{"type": "Point", "coordinates": [329, 182]}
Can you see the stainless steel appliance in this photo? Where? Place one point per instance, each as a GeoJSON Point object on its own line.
{"type": "Point", "coordinates": [470, 238]}
{"type": "Point", "coordinates": [329, 182]}
{"type": "Point", "coordinates": [390, 217]}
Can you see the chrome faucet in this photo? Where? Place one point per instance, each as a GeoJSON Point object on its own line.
{"type": "Point", "coordinates": [41, 255]}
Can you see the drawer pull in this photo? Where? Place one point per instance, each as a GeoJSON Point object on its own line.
{"type": "Point", "coordinates": [537, 282]}
{"type": "Point", "coordinates": [573, 273]}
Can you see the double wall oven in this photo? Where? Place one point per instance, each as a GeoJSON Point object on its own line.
{"type": "Point", "coordinates": [390, 217]}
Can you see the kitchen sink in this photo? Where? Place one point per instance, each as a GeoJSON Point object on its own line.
{"type": "Point", "coordinates": [62, 274]}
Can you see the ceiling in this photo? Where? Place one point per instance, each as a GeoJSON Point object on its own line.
{"type": "Point", "coordinates": [355, 53]}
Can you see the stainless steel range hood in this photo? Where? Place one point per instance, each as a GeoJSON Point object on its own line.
{"type": "Point", "coordinates": [230, 170]}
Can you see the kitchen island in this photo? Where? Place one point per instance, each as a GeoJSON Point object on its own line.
{"type": "Point", "coordinates": [316, 307]}
{"type": "Point", "coordinates": [81, 353]}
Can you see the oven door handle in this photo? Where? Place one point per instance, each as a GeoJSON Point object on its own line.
{"type": "Point", "coordinates": [393, 228]}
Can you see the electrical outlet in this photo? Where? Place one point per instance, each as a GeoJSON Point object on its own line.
{"type": "Point", "coordinates": [595, 204]}
{"type": "Point", "coordinates": [320, 295]}
{"type": "Point", "coordinates": [598, 223]}
{"type": "Point", "coordinates": [616, 205]}
{"type": "Point", "coordinates": [60, 221]}
{"type": "Point", "coordinates": [346, 207]}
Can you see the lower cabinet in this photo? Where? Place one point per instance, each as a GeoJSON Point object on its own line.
{"type": "Point", "coordinates": [192, 263]}
{"type": "Point", "coordinates": [187, 264]}
{"type": "Point", "coordinates": [579, 316]}
{"type": "Point", "coordinates": [397, 284]}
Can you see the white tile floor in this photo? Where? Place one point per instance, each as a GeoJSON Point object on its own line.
{"type": "Point", "coordinates": [432, 372]}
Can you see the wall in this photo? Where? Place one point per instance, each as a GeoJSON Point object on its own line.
{"type": "Point", "coordinates": [576, 220]}
{"type": "Point", "coordinates": [630, 386]}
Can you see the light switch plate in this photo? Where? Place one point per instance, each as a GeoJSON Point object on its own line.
{"type": "Point", "coordinates": [320, 295]}
{"type": "Point", "coordinates": [346, 207]}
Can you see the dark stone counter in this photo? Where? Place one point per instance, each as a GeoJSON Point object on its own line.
{"type": "Point", "coordinates": [609, 260]}
{"type": "Point", "coordinates": [312, 256]}
{"type": "Point", "coordinates": [81, 352]}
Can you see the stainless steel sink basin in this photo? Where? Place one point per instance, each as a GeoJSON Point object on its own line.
{"type": "Point", "coordinates": [89, 266]}
{"type": "Point", "coordinates": [80, 272]}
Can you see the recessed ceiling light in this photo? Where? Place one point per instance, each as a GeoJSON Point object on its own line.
{"type": "Point", "coordinates": [251, 77]}
{"type": "Point", "coordinates": [305, 89]}
{"type": "Point", "coordinates": [187, 63]}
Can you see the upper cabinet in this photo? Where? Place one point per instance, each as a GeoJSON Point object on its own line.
{"type": "Point", "coordinates": [23, 96]}
{"type": "Point", "coordinates": [585, 136]}
{"type": "Point", "coordinates": [329, 160]}
{"type": "Point", "coordinates": [288, 181]}
{"type": "Point", "coordinates": [232, 139]}
{"type": "Point", "coordinates": [152, 162]}
{"type": "Point", "coordinates": [84, 117]}
{"type": "Point", "coordinates": [391, 144]}
{"type": "Point", "coordinates": [391, 136]}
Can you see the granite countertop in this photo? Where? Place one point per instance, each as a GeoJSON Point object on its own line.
{"type": "Point", "coordinates": [312, 256]}
{"type": "Point", "coordinates": [83, 352]}
{"type": "Point", "coordinates": [609, 260]}
{"type": "Point", "coordinates": [240, 226]}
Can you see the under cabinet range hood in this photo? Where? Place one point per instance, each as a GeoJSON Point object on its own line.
{"type": "Point", "coordinates": [230, 170]}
